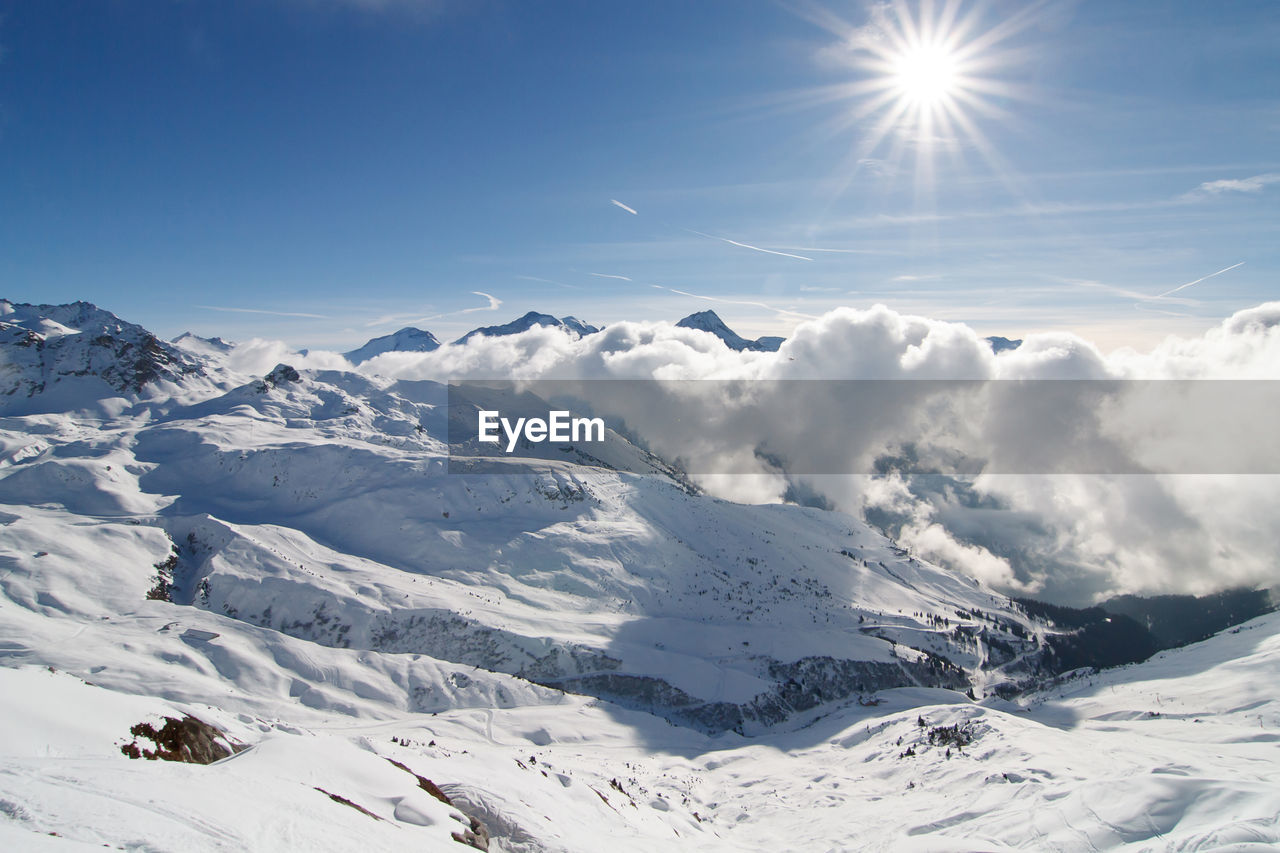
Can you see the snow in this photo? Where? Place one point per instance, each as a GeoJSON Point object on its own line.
{"type": "Point", "coordinates": [408, 339]}
{"type": "Point", "coordinates": [742, 677]}
{"type": "Point", "coordinates": [1084, 765]}
{"type": "Point", "coordinates": [571, 325]}
{"type": "Point", "coordinates": [709, 321]}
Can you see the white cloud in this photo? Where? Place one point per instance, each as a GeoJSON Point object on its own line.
{"type": "Point", "coordinates": [1070, 535]}
{"type": "Point", "coordinates": [1234, 185]}
{"type": "Point", "coordinates": [258, 356]}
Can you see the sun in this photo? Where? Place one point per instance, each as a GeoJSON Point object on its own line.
{"type": "Point", "coordinates": [923, 77]}
{"type": "Point", "coordinates": [926, 75]}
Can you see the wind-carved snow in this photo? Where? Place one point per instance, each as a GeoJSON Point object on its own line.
{"type": "Point", "coordinates": [526, 640]}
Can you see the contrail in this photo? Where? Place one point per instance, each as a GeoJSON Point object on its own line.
{"type": "Point", "coordinates": [494, 304]}
{"type": "Point", "coordinates": [1197, 281]}
{"type": "Point", "coordinates": [414, 319]}
{"type": "Point", "coordinates": [766, 306]}
{"type": "Point", "coordinates": [748, 246]}
{"type": "Point", "coordinates": [839, 251]}
{"type": "Point", "coordinates": [548, 281]}
{"type": "Point", "coordinates": [606, 275]}
{"type": "Point", "coordinates": [260, 311]}
{"type": "Point", "coordinates": [633, 212]}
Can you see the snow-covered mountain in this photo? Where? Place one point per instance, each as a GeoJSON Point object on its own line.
{"type": "Point", "coordinates": [569, 655]}
{"type": "Point", "coordinates": [407, 339]}
{"type": "Point", "coordinates": [355, 469]}
{"type": "Point", "coordinates": [572, 325]}
{"type": "Point", "coordinates": [709, 321]}
{"type": "Point", "coordinates": [204, 346]}
{"type": "Point", "coordinates": [577, 326]}
{"type": "Point", "coordinates": [52, 356]}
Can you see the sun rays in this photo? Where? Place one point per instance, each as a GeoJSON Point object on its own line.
{"type": "Point", "coordinates": [926, 77]}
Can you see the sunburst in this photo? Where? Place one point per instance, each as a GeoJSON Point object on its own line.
{"type": "Point", "coordinates": [927, 77]}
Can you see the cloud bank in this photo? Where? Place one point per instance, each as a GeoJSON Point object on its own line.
{"type": "Point", "coordinates": [1070, 537]}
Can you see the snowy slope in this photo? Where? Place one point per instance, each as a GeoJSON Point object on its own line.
{"type": "Point", "coordinates": [574, 655]}
{"type": "Point", "coordinates": [319, 505]}
{"type": "Point", "coordinates": [1118, 763]}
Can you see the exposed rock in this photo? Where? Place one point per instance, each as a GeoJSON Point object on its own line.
{"type": "Point", "coordinates": [187, 740]}
{"type": "Point", "coordinates": [281, 374]}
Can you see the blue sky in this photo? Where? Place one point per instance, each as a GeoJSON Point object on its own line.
{"type": "Point", "coordinates": [369, 164]}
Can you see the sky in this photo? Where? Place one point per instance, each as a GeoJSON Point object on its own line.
{"type": "Point", "coordinates": [324, 171]}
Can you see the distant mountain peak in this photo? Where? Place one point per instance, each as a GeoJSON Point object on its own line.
{"type": "Point", "coordinates": [576, 325]}
{"type": "Point", "coordinates": [999, 344]}
{"type": "Point", "coordinates": [408, 339]}
{"type": "Point", "coordinates": [190, 339]}
{"type": "Point", "coordinates": [709, 321]}
{"type": "Point", "coordinates": [707, 317]}
{"type": "Point", "coordinates": [571, 325]}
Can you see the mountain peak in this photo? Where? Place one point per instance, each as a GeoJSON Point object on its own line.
{"type": "Point", "coordinates": [707, 317]}
{"type": "Point", "coordinates": [408, 339]}
{"type": "Point", "coordinates": [1001, 344]}
{"type": "Point", "coordinates": [571, 325]}
{"type": "Point", "coordinates": [78, 343]}
{"type": "Point", "coordinates": [709, 321]}
{"type": "Point", "coordinates": [193, 341]}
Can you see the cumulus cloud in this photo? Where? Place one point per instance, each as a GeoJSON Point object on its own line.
{"type": "Point", "coordinates": [1049, 524]}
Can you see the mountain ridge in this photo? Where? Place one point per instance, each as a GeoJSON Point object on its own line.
{"type": "Point", "coordinates": [528, 321]}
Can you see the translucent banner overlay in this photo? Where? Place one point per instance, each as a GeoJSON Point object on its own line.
{"type": "Point", "coordinates": [811, 427]}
